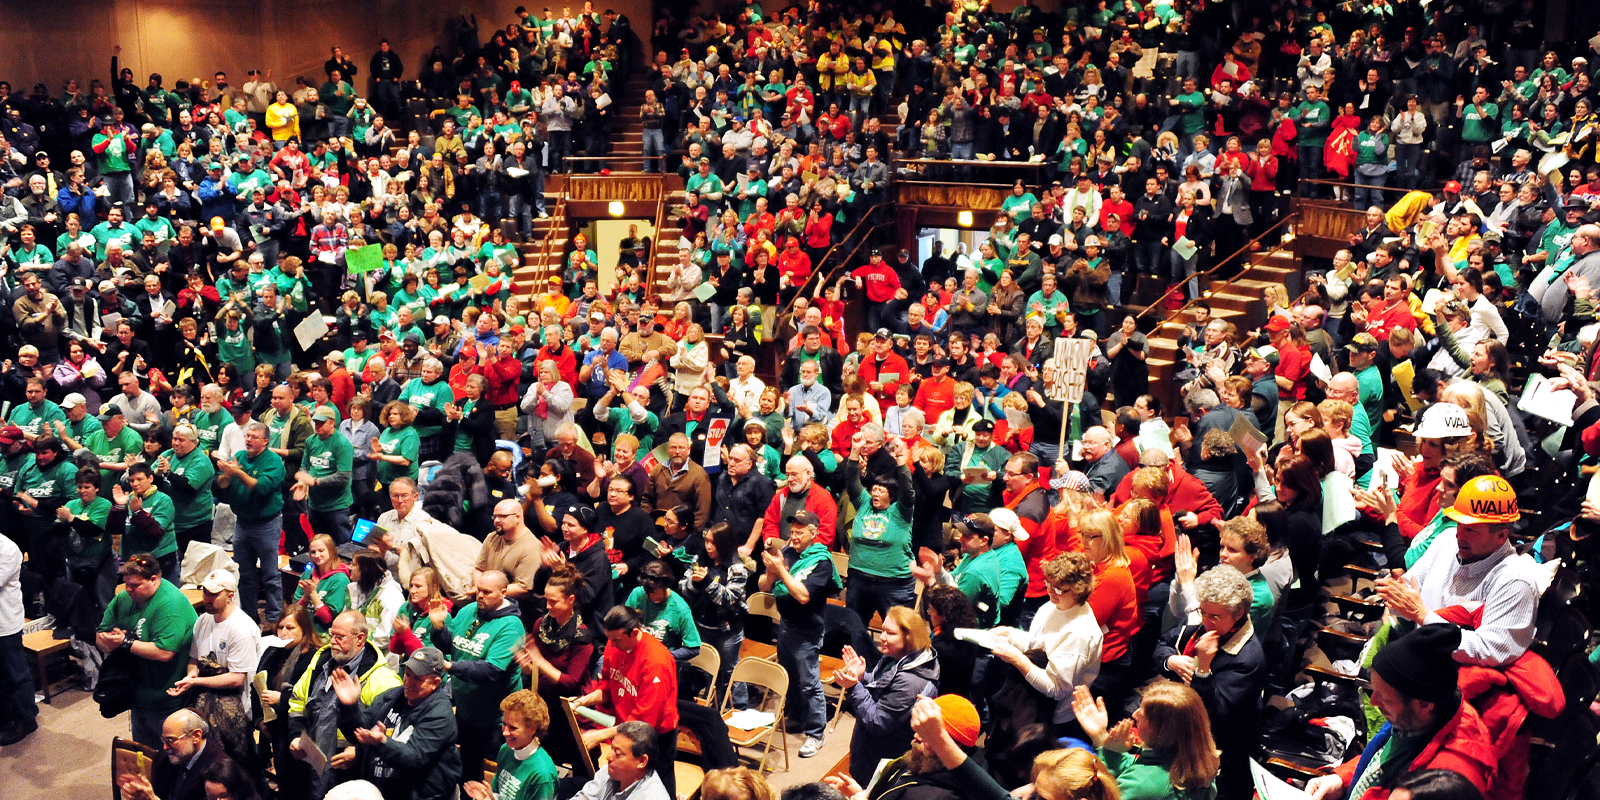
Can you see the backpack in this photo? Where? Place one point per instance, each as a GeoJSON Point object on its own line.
{"type": "Point", "coordinates": [114, 690]}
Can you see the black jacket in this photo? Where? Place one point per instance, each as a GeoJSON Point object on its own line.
{"type": "Point", "coordinates": [1232, 693]}
{"type": "Point", "coordinates": [172, 782]}
{"type": "Point", "coordinates": [418, 760]}
{"type": "Point", "coordinates": [832, 369]}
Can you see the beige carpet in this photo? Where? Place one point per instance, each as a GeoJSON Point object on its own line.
{"type": "Point", "coordinates": [69, 757]}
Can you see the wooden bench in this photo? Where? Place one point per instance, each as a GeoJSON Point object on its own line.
{"type": "Point", "coordinates": [43, 645]}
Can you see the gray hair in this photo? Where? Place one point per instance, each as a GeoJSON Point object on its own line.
{"type": "Point", "coordinates": [355, 790]}
{"type": "Point", "coordinates": [432, 363]}
{"type": "Point", "coordinates": [1226, 587]}
{"type": "Point", "coordinates": [641, 739]}
{"type": "Point", "coordinates": [357, 620]}
{"type": "Point", "coordinates": [872, 432]}
{"type": "Point", "coordinates": [261, 426]}
{"type": "Point", "coordinates": [1200, 399]}
{"type": "Point", "coordinates": [913, 415]}
{"type": "Point", "coordinates": [801, 461]}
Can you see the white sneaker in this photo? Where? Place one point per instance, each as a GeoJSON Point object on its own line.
{"type": "Point", "coordinates": [544, 215]}
{"type": "Point", "coordinates": [810, 747]}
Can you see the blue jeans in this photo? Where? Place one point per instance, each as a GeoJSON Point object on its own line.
{"type": "Point", "coordinates": [654, 147]}
{"type": "Point", "coordinates": [491, 206]}
{"type": "Point", "coordinates": [16, 682]}
{"type": "Point", "coordinates": [798, 653]}
{"type": "Point", "coordinates": [1187, 65]}
{"type": "Point", "coordinates": [255, 549]}
{"type": "Point", "coordinates": [335, 523]}
{"type": "Point", "coordinates": [1407, 157]}
{"type": "Point", "coordinates": [1183, 268]}
{"type": "Point", "coordinates": [520, 212]}
{"type": "Point", "coordinates": [860, 105]}
{"type": "Point", "coordinates": [119, 185]}
{"type": "Point", "coordinates": [1150, 255]}
{"type": "Point", "coordinates": [1310, 167]}
{"type": "Point", "coordinates": [339, 125]}
{"type": "Point", "coordinates": [868, 594]}
{"type": "Point", "coordinates": [1114, 287]}
{"type": "Point", "coordinates": [1369, 197]}
{"type": "Point", "coordinates": [727, 645]}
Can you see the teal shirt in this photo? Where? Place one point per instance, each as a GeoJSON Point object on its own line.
{"type": "Point", "coordinates": [334, 588]}
{"type": "Point", "coordinates": [1480, 126]}
{"type": "Point", "coordinates": [325, 457]}
{"type": "Point", "coordinates": [670, 621]}
{"type": "Point", "coordinates": [113, 449]}
{"type": "Point", "coordinates": [1372, 148]}
{"type": "Point", "coordinates": [402, 442]}
{"type": "Point", "coordinates": [45, 484]}
{"type": "Point", "coordinates": [195, 469]}
{"type": "Point", "coordinates": [978, 577]}
{"type": "Point", "coordinates": [533, 779]}
{"type": "Point", "coordinates": [210, 425]}
{"type": "Point", "coordinates": [167, 622]}
{"type": "Point", "coordinates": [494, 640]}
{"type": "Point", "coordinates": [1309, 113]}
{"type": "Point", "coordinates": [880, 541]}
{"type": "Point", "coordinates": [160, 507]}
{"type": "Point", "coordinates": [420, 395]}
{"type": "Point", "coordinates": [35, 420]}
{"type": "Point", "coordinates": [93, 547]}
{"type": "Point", "coordinates": [263, 502]}
{"type": "Point", "coordinates": [1191, 113]}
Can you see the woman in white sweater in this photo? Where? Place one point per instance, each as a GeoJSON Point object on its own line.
{"type": "Point", "coordinates": [1066, 631]}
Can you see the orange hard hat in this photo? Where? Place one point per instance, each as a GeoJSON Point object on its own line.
{"type": "Point", "coordinates": [1485, 499]}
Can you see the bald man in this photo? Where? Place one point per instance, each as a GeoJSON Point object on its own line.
{"type": "Point", "coordinates": [497, 478]}
{"type": "Point", "coordinates": [512, 549]}
{"type": "Point", "coordinates": [480, 645]}
{"type": "Point", "coordinates": [1550, 287]}
{"type": "Point", "coordinates": [186, 742]}
{"type": "Point", "coordinates": [1344, 386]}
{"type": "Point", "coordinates": [1100, 461]}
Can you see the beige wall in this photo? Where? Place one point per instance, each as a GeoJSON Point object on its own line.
{"type": "Point", "coordinates": [195, 38]}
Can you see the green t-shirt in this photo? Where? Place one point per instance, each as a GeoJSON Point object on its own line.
{"type": "Point", "coordinates": [160, 506]}
{"type": "Point", "coordinates": [33, 421]}
{"type": "Point", "coordinates": [196, 470]}
{"type": "Point", "coordinates": [495, 641]}
{"type": "Point", "coordinates": [263, 502]}
{"type": "Point", "coordinates": [93, 549]}
{"type": "Point", "coordinates": [325, 457]}
{"type": "Point", "coordinates": [11, 469]}
{"type": "Point", "coordinates": [534, 779]}
{"type": "Point", "coordinates": [670, 621]}
{"type": "Point", "coordinates": [402, 442]}
{"type": "Point", "coordinates": [1372, 148]}
{"type": "Point", "coordinates": [643, 431]}
{"type": "Point", "coordinates": [463, 441]}
{"type": "Point", "coordinates": [210, 425]}
{"type": "Point", "coordinates": [978, 577]}
{"type": "Point", "coordinates": [115, 156]}
{"type": "Point", "coordinates": [114, 449]}
{"type": "Point", "coordinates": [1191, 113]}
{"type": "Point", "coordinates": [80, 430]}
{"type": "Point", "coordinates": [45, 484]}
{"type": "Point", "coordinates": [334, 589]}
{"type": "Point", "coordinates": [1478, 126]}
{"type": "Point", "coordinates": [421, 395]}
{"type": "Point", "coordinates": [880, 541]}
{"type": "Point", "coordinates": [235, 348]}
{"type": "Point", "coordinates": [1308, 114]}
{"type": "Point", "coordinates": [104, 235]}
{"type": "Point", "coordinates": [167, 621]}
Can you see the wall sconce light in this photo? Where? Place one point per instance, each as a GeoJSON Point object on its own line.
{"type": "Point", "coordinates": [616, 208]}
{"type": "Point", "coordinates": [964, 219]}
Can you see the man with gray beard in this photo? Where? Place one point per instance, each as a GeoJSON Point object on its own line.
{"type": "Point", "coordinates": [314, 706]}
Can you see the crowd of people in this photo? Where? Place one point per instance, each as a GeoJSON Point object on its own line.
{"type": "Point", "coordinates": [1090, 599]}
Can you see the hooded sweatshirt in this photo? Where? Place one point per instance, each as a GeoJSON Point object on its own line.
{"type": "Point", "coordinates": [481, 644]}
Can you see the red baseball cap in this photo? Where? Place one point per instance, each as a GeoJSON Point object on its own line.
{"type": "Point", "coordinates": [1277, 323]}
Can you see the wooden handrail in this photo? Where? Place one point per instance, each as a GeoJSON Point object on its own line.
{"type": "Point", "coordinates": [1331, 182]}
{"type": "Point", "coordinates": [655, 251]}
{"type": "Point", "coordinates": [1219, 265]}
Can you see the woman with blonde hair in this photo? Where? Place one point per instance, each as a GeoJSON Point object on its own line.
{"type": "Point", "coordinates": [1337, 416]}
{"type": "Point", "coordinates": [735, 783]}
{"type": "Point", "coordinates": [1179, 758]}
{"type": "Point", "coordinates": [1491, 421]}
{"type": "Point", "coordinates": [1115, 598]}
{"type": "Point", "coordinates": [1073, 774]}
{"type": "Point", "coordinates": [881, 698]}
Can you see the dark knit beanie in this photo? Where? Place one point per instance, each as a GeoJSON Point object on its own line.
{"type": "Point", "coordinates": [1421, 664]}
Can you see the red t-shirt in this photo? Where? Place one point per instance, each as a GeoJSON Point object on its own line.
{"type": "Point", "coordinates": [1294, 363]}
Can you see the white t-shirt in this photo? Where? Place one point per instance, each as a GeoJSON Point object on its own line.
{"type": "Point", "coordinates": [235, 643]}
{"type": "Point", "coordinates": [11, 611]}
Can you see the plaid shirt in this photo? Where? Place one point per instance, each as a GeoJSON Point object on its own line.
{"type": "Point", "coordinates": [329, 240]}
{"type": "Point", "coordinates": [404, 369]}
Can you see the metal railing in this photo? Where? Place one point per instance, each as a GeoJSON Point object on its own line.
{"type": "Point", "coordinates": [948, 166]}
{"type": "Point", "coordinates": [1244, 251]}
{"type": "Point", "coordinates": [559, 224]}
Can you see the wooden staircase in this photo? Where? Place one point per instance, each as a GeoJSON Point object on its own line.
{"type": "Point", "coordinates": [543, 253]}
{"type": "Point", "coordinates": [627, 130]}
{"type": "Point", "coordinates": [1238, 300]}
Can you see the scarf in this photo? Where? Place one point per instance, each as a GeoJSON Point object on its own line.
{"type": "Point", "coordinates": [809, 559]}
{"type": "Point", "coordinates": [557, 638]}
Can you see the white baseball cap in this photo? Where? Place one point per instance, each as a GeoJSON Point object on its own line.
{"type": "Point", "coordinates": [220, 580]}
{"type": "Point", "coordinates": [1443, 421]}
{"type": "Point", "coordinates": [1007, 520]}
